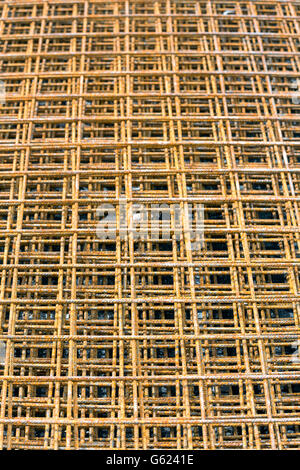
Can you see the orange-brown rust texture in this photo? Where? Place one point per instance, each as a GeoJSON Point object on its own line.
{"type": "Point", "coordinates": [149, 342]}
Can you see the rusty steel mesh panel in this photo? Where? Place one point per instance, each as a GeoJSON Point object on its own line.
{"type": "Point", "coordinates": [149, 342]}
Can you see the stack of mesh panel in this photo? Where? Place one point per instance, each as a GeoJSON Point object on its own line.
{"type": "Point", "coordinates": [109, 340]}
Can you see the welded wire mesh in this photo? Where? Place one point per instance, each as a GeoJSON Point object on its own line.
{"type": "Point", "coordinates": [149, 343]}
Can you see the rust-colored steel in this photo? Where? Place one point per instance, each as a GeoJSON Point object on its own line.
{"type": "Point", "coordinates": [125, 343]}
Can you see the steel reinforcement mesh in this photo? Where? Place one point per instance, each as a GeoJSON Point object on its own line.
{"type": "Point", "coordinates": [147, 342]}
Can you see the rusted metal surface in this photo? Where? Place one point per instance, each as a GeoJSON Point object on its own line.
{"type": "Point", "coordinates": [149, 343]}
